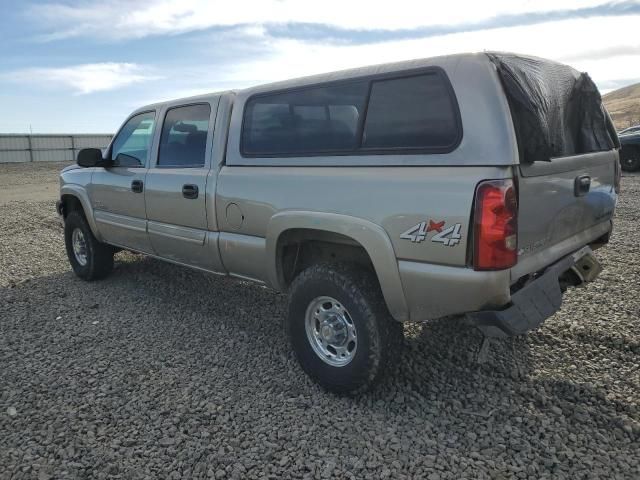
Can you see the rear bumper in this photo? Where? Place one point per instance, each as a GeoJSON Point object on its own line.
{"type": "Point", "coordinates": [435, 291]}
{"type": "Point", "coordinates": [538, 300]}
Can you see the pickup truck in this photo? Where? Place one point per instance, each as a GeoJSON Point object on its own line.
{"type": "Point", "coordinates": [471, 184]}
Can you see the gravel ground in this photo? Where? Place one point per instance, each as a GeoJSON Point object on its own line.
{"type": "Point", "coordinates": [163, 372]}
{"type": "Point", "coordinates": [29, 181]}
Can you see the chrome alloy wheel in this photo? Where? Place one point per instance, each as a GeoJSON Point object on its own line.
{"type": "Point", "coordinates": [79, 246]}
{"type": "Point", "coordinates": [331, 331]}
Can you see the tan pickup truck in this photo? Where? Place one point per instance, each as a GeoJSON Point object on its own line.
{"type": "Point", "coordinates": [474, 184]}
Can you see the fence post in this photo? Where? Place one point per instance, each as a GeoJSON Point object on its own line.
{"type": "Point", "coordinates": [30, 148]}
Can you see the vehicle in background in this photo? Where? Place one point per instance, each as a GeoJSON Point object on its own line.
{"type": "Point", "coordinates": [633, 129]}
{"type": "Point", "coordinates": [630, 151]}
{"type": "Point", "coordinates": [374, 196]}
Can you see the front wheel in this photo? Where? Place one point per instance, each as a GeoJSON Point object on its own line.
{"type": "Point", "coordinates": [630, 159]}
{"type": "Point", "coordinates": [89, 258]}
{"type": "Point", "coordinates": [340, 329]}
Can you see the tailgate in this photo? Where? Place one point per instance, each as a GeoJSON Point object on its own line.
{"type": "Point", "coordinates": [564, 204]}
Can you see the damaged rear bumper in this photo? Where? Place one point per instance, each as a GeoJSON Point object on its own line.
{"type": "Point", "coordinates": [538, 299]}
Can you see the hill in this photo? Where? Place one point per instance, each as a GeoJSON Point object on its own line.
{"type": "Point", "coordinates": [624, 106]}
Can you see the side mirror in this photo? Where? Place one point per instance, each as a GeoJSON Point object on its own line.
{"type": "Point", "coordinates": [91, 157]}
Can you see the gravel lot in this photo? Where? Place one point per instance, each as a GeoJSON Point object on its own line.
{"type": "Point", "coordinates": [34, 181]}
{"type": "Point", "coordinates": [163, 372]}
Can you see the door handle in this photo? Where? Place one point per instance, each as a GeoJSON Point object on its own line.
{"type": "Point", "coordinates": [582, 185]}
{"type": "Point", "coordinates": [137, 186]}
{"type": "Point", "coordinates": [190, 191]}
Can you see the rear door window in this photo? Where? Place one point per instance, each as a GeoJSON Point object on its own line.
{"type": "Point", "coordinates": [413, 112]}
{"type": "Point", "coordinates": [184, 136]}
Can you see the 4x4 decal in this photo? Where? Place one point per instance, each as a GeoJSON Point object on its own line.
{"type": "Point", "coordinates": [449, 237]}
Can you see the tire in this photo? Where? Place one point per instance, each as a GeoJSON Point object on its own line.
{"type": "Point", "coordinates": [364, 337]}
{"type": "Point", "coordinates": [630, 159]}
{"type": "Point", "coordinates": [93, 262]}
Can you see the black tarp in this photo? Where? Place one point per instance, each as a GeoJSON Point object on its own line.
{"type": "Point", "coordinates": [557, 111]}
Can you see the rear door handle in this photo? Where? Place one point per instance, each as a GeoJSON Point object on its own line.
{"type": "Point", "coordinates": [582, 185]}
{"type": "Point", "coordinates": [137, 186]}
{"type": "Point", "coordinates": [190, 191]}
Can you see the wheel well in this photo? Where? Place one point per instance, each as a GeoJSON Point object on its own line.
{"type": "Point", "coordinates": [298, 249]}
{"type": "Point", "coordinates": [71, 203]}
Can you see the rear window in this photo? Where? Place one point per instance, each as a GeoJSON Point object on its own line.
{"type": "Point", "coordinates": [406, 114]}
{"type": "Point", "coordinates": [556, 110]}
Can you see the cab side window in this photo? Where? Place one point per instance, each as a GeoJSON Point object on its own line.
{"type": "Point", "coordinates": [131, 145]}
{"type": "Point", "coordinates": [184, 137]}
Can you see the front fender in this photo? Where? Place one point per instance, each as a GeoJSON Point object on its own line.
{"type": "Point", "coordinates": [372, 237]}
{"type": "Point", "coordinates": [80, 193]}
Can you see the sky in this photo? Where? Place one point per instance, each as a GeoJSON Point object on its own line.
{"type": "Point", "coordinates": [81, 66]}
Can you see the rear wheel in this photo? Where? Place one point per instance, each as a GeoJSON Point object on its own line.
{"type": "Point", "coordinates": [340, 328]}
{"type": "Point", "coordinates": [89, 258]}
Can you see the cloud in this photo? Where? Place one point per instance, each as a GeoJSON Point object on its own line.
{"type": "Point", "coordinates": [85, 78]}
{"type": "Point", "coordinates": [202, 46]}
{"type": "Point", "coordinates": [324, 32]}
{"type": "Point", "coordinates": [606, 53]}
{"type": "Point", "coordinates": [569, 41]}
{"type": "Point", "coordinates": [362, 20]}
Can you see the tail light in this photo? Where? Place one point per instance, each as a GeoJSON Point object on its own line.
{"type": "Point", "coordinates": [495, 225]}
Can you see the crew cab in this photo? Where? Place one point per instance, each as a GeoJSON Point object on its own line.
{"type": "Point", "coordinates": [471, 184]}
